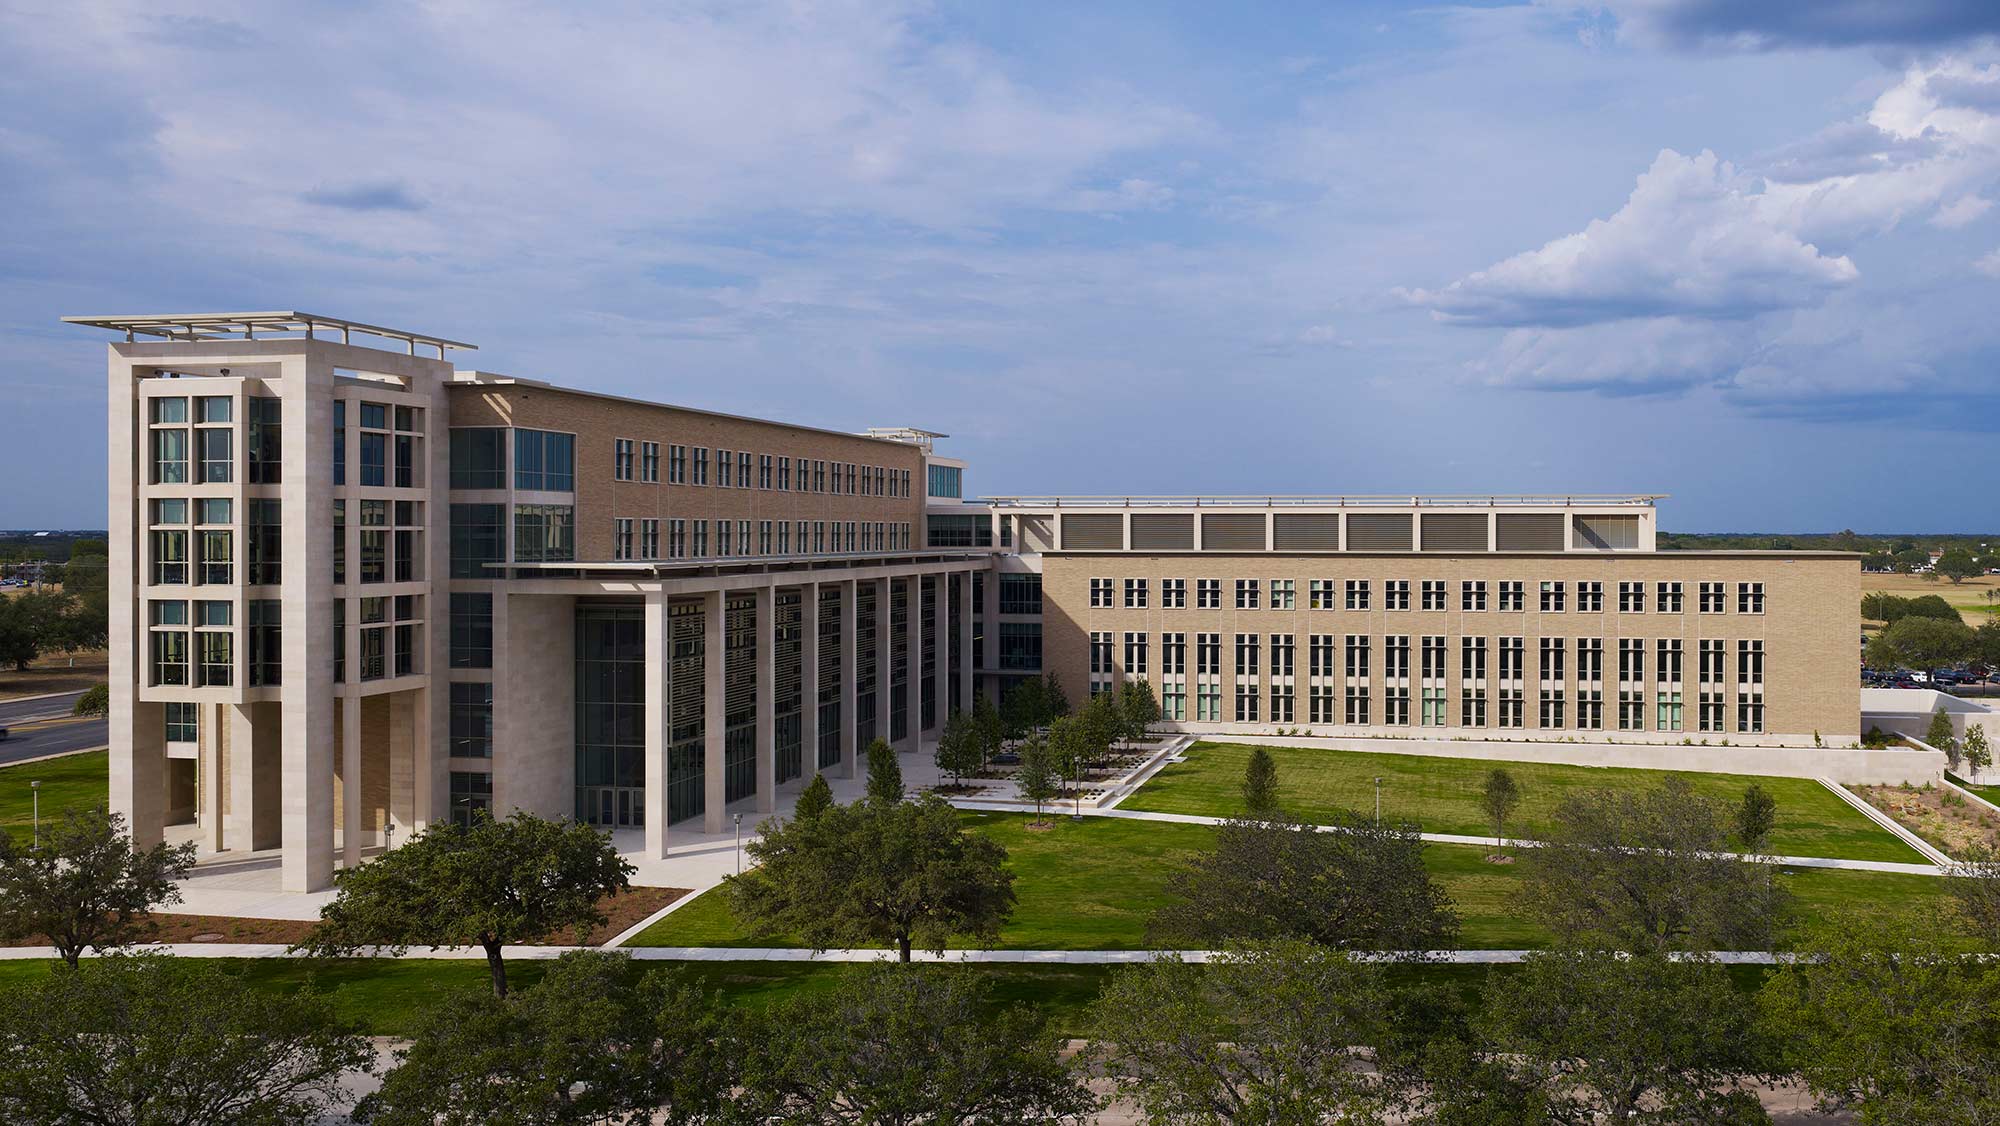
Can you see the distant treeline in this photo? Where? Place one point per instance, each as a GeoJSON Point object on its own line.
{"type": "Point", "coordinates": [1900, 552]}
{"type": "Point", "coordinates": [56, 547]}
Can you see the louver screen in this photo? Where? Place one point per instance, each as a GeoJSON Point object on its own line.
{"type": "Point", "coordinates": [1454, 531]}
{"type": "Point", "coordinates": [1162, 532]}
{"type": "Point", "coordinates": [1096, 531]}
{"type": "Point", "coordinates": [1232, 532]}
{"type": "Point", "coordinates": [1378, 531]}
{"type": "Point", "coordinates": [1522, 531]}
{"type": "Point", "coordinates": [1306, 531]}
{"type": "Point", "coordinates": [1607, 533]}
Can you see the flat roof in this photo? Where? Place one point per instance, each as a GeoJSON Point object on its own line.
{"type": "Point", "coordinates": [1338, 500]}
{"type": "Point", "coordinates": [273, 324]}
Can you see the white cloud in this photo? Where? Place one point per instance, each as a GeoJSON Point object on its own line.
{"type": "Point", "coordinates": [1988, 264]}
{"type": "Point", "coordinates": [1961, 211]}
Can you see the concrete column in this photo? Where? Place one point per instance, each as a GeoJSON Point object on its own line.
{"type": "Point", "coordinates": [991, 597]}
{"type": "Point", "coordinates": [307, 708]}
{"type": "Point", "coordinates": [850, 671]}
{"type": "Point", "coordinates": [137, 731]}
{"type": "Point", "coordinates": [254, 791]}
{"type": "Point", "coordinates": [767, 692]}
{"type": "Point", "coordinates": [809, 680]}
{"type": "Point", "coordinates": [402, 762]}
{"type": "Point", "coordinates": [423, 748]}
{"type": "Point", "coordinates": [350, 780]}
{"type": "Point", "coordinates": [210, 779]}
{"type": "Point", "coordinates": [659, 676]}
{"type": "Point", "coordinates": [941, 665]}
{"type": "Point", "coordinates": [965, 680]}
{"type": "Point", "coordinates": [714, 711]}
{"type": "Point", "coordinates": [913, 659]}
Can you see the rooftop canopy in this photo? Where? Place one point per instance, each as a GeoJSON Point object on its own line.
{"type": "Point", "coordinates": [252, 326]}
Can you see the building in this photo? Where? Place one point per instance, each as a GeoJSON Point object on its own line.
{"type": "Point", "coordinates": [369, 591]}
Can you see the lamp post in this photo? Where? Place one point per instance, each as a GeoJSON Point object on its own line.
{"type": "Point", "coordinates": [738, 819]}
{"type": "Point", "coordinates": [35, 789]}
{"type": "Point", "coordinates": [1378, 802]}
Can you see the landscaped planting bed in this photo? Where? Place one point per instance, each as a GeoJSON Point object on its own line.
{"type": "Point", "coordinates": [1938, 815]}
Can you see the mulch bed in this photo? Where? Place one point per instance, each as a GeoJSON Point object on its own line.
{"type": "Point", "coordinates": [1938, 815]}
{"type": "Point", "coordinates": [622, 911]}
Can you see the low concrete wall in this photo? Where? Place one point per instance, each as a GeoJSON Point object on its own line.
{"type": "Point", "coordinates": [1849, 766]}
{"type": "Point", "coordinates": [1240, 732]}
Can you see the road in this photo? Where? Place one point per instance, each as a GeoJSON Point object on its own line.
{"type": "Point", "coordinates": [45, 727]}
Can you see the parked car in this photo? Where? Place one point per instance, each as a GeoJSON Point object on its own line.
{"type": "Point", "coordinates": [3, 735]}
{"type": "Point", "coordinates": [1006, 758]}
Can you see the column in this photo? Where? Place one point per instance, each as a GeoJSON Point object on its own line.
{"type": "Point", "coordinates": [767, 692]}
{"type": "Point", "coordinates": [850, 670]}
{"type": "Point", "coordinates": [913, 660]}
{"type": "Point", "coordinates": [253, 777]}
{"type": "Point", "coordinates": [307, 707]}
{"type": "Point", "coordinates": [136, 731]}
{"type": "Point", "coordinates": [659, 677]}
{"type": "Point", "coordinates": [941, 665]}
{"type": "Point", "coordinates": [885, 658]}
{"type": "Point", "coordinates": [809, 680]}
{"type": "Point", "coordinates": [350, 779]}
{"type": "Point", "coordinates": [965, 679]}
{"type": "Point", "coordinates": [209, 777]}
{"type": "Point", "coordinates": [423, 790]}
{"type": "Point", "coordinates": [714, 711]}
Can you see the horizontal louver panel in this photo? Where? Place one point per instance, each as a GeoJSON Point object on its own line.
{"type": "Point", "coordinates": [1232, 532]}
{"type": "Point", "coordinates": [1607, 533]}
{"type": "Point", "coordinates": [1529, 531]}
{"type": "Point", "coordinates": [1158, 532]}
{"type": "Point", "coordinates": [1096, 531]}
{"type": "Point", "coordinates": [1313, 531]}
{"type": "Point", "coordinates": [1379, 531]}
{"type": "Point", "coordinates": [1454, 531]}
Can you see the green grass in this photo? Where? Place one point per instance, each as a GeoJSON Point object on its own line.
{"type": "Point", "coordinates": [81, 780]}
{"type": "Point", "coordinates": [1442, 795]}
{"type": "Point", "coordinates": [1091, 885]}
{"type": "Point", "coordinates": [1990, 793]}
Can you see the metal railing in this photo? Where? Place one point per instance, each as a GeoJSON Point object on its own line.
{"type": "Point", "coordinates": [1335, 500]}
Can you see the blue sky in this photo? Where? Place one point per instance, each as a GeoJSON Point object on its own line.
{"type": "Point", "coordinates": [1742, 254]}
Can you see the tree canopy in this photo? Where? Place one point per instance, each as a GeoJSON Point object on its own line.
{"type": "Point", "coordinates": [84, 886]}
{"type": "Point", "coordinates": [496, 883]}
{"type": "Point", "coordinates": [885, 774]}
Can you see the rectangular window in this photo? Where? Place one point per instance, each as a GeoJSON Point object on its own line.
{"type": "Point", "coordinates": [479, 457]}
{"type": "Point", "coordinates": [1281, 594]}
{"type": "Point", "coordinates": [1135, 654]}
{"type": "Point", "coordinates": [1590, 597]}
{"type": "Point", "coordinates": [1208, 594]}
{"type": "Point", "coordinates": [472, 721]}
{"type": "Point", "coordinates": [1631, 597]}
{"type": "Point", "coordinates": [170, 456]}
{"type": "Point", "coordinates": [621, 538]}
{"type": "Point", "coordinates": [649, 462]}
{"type": "Point", "coordinates": [1631, 684]}
{"type": "Point", "coordinates": [1472, 596]}
{"type": "Point", "coordinates": [1433, 592]}
{"type": "Point", "coordinates": [764, 467]}
{"type": "Point", "coordinates": [1319, 594]}
{"type": "Point", "coordinates": [649, 539]}
{"type": "Point", "coordinates": [212, 408]}
{"type": "Point", "coordinates": [406, 460]}
{"type": "Point", "coordinates": [1513, 598]}
{"type": "Point", "coordinates": [183, 723]}
{"type": "Point", "coordinates": [212, 450]}
{"type": "Point", "coordinates": [723, 480]}
{"type": "Point", "coordinates": [1667, 692]}
{"type": "Point", "coordinates": [374, 459]}
{"type": "Point", "coordinates": [621, 459]}
{"type": "Point", "coordinates": [1357, 594]}
{"type": "Point", "coordinates": [217, 558]}
{"type": "Point", "coordinates": [169, 410]}
{"type": "Point", "coordinates": [1173, 594]}
{"type": "Point", "coordinates": [471, 630]}
{"type": "Point", "coordinates": [1247, 595]}
{"type": "Point", "coordinates": [1135, 594]}
{"type": "Point", "coordinates": [1396, 594]}
{"type": "Point", "coordinates": [1749, 598]}
{"type": "Point", "coordinates": [1552, 598]}
{"type": "Point", "coordinates": [478, 537]}
{"type": "Point", "coordinates": [266, 445]}
{"type": "Point", "coordinates": [677, 465]}
{"type": "Point", "coordinates": [1669, 598]}
{"type": "Point", "coordinates": [544, 533]}
{"type": "Point", "coordinates": [170, 558]}
{"type": "Point", "coordinates": [544, 461]}
{"type": "Point", "coordinates": [170, 656]}
{"type": "Point", "coordinates": [471, 796]}
{"type": "Point", "coordinates": [1712, 598]}
{"type": "Point", "coordinates": [217, 664]}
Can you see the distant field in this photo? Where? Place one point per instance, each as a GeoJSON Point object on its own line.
{"type": "Point", "coordinates": [1968, 597]}
{"type": "Point", "coordinates": [56, 672]}
{"type": "Point", "coordinates": [1442, 794]}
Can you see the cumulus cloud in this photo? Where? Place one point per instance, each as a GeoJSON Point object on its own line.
{"type": "Point", "coordinates": [1768, 25]}
{"type": "Point", "coordinates": [1690, 242]}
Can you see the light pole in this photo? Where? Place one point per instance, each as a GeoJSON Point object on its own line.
{"type": "Point", "coordinates": [738, 819]}
{"type": "Point", "coordinates": [1378, 802]}
{"type": "Point", "coordinates": [35, 789]}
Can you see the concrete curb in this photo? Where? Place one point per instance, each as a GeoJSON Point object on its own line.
{"type": "Point", "coordinates": [1887, 822]}
{"type": "Point", "coordinates": [57, 755]}
{"type": "Point", "coordinates": [1969, 794]}
{"type": "Point", "coordinates": [638, 928]}
{"type": "Point", "coordinates": [43, 696]}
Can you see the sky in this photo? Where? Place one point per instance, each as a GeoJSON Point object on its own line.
{"type": "Point", "coordinates": [1742, 254]}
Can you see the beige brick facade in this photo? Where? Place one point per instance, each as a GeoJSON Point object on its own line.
{"type": "Point", "coordinates": [1810, 626]}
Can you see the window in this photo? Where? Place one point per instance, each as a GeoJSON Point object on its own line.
{"type": "Point", "coordinates": [406, 460]}
{"type": "Point", "coordinates": [649, 539]}
{"type": "Point", "coordinates": [374, 459]}
{"type": "Point", "coordinates": [183, 723]}
{"type": "Point", "coordinates": [723, 480]}
{"type": "Point", "coordinates": [374, 416]}
{"type": "Point", "coordinates": [170, 558]}
{"type": "Point", "coordinates": [1433, 591]}
{"type": "Point", "coordinates": [472, 721]}
{"type": "Point", "coordinates": [1631, 684]}
{"type": "Point", "coordinates": [170, 657]}
{"type": "Point", "coordinates": [784, 474]}
{"type": "Point", "coordinates": [677, 465]}
{"type": "Point", "coordinates": [1513, 663]}
{"type": "Point", "coordinates": [1208, 594]}
{"type": "Point", "coordinates": [1667, 694]}
{"type": "Point", "coordinates": [1669, 600]}
{"type": "Point", "coordinates": [170, 456]}
{"type": "Point", "coordinates": [1246, 654]}
{"type": "Point", "coordinates": [1709, 703]}
{"type": "Point", "coordinates": [471, 795]}
{"type": "Point", "coordinates": [947, 481]}
{"type": "Point", "coordinates": [621, 538]}
{"type": "Point", "coordinates": [216, 654]}
{"type": "Point", "coordinates": [543, 533]}
{"type": "Point", "coordinates": [216, 557]}
{"type": "Point", "coordinates": [1173, 594]}
{"type": "Point", "coordinates": [649, 462]}
{"type": "Point", "coordinates": [1357, 594]}
{"type": "Point", "coordinates": [339, 442]}
{"type": "Point", "coordinates": [1749, 598]}
{"type": "Point", "coordinates": [621, 459]}
{"type": "Point", "coordinates": [1246, 594]}
{"type": "Point", "coordinates": [1512, 597]}
{"type": "Point", "coordinates": [1552, 598]}
{"type": "Point", "coordinates": [212, 408]}
{"type": "Point", "coordinates": [1396, 680]}
{"type": "Point", "coordinates": [479, 458]}
{"type": "Point", "coordinates": [1590, 597]}
{"type": "Point", "coordinates": [544, 461]}
{"type": "Point", "coordinates": [266, 444]}
{"type": "Point", "coordinates": [1472, 682]}
{"type": "Point", "coordinates": [1022, 593]}
{"type": "Point", "coordinates": [471, 630]}
{"type": "Point", "coordinates": [170, 510]}
{"type": "Point", "coordinates": [1281, 594]}
{"type": "Point", "coordinates": [1631, 598]}
{"type": "Point", "coordinates": [1357, 679]}
{"type": "Point", "coordinates": [1712, 598]}
{"type": "Point", "coordinates": [1396, 594]}
{"type": "Point", "coordinates": [1319, 594]}
{"type": "Point", "coordinates": [1590, 683]}
{"type": "Point", "coordinates": [677, 539]}
{"type": "Point", "coordinates": [1135, 654]}
{"type": "Point", "coordinates": [742, 469]}
{"type": "Point", "coordinates": [170, 410]}
{"type": "Point", "coordinates": [1135, 594]}
{"type": "Point", "coordinates": [213, 452]}
{"type": "Point", "coordinates": [478, 537]}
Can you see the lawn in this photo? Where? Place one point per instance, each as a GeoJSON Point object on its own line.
{"type": "Point", "coordinates": [1091, 885]}
{"type": "Point", "coordinates": [1442, 795]}
{"type": "Point", "coordinates": [80, 780]}
{"type": "Point", "coordinates": [1968, 597]}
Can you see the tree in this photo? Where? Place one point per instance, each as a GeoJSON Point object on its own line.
{"type": "Point", "coordinates": [1976, 891]}
{"type": "Point", "coordinates": [1053, 696]}
{"type": "Point", "coordinates": [1102, 723]}
{"type": "Point", "coordinates": [1068, 745]}
{"type": "Point", "coordinates": [1139, 708]}
{"type": "Point", "coordinates": [95, 701]}
{"type": "Point", "coordinates": [1756, 815]}
{"type": "Point", "coordinates": [1891, 1022]}
{"type": "Point", "coordinates": [1977, 749]}
{"type": "Point", "coordinates": [1958, 565]}
{"type": "Point", "coordinates": [1919, 642]}
{"type": "Point", "coordinates": [87, 616]}
{"type": "Point", "coordinates": [1940, 735]}
{"type": "Point", "coordinates": [958, 751]}
{"type": "Point", "coordinates": [893, 1044]}
{"type": "Point", "coordinates": [905, 874]}
{"type": "Point", "coordinates": [986, 724]}
{"type": "Point", "coordinates": [1648, 872]}
{"type": "Point", "coordinates": [1035, 781]}
{"type": "Point", "coordinates": [1262, 1033]}
{"type": "Point", "coordinates": [1024, 707]}
{"type": "Point", "coordinates": [494, 884]}
{"type": "Point", "coordinates": [31, 623]}
{"type": "Point", "coordinates": [171, 1042]}
{"type": "Point", "coordinates": [885, 774]}
{"type": "Point", "coordinates": [581, 1046]}
{"type": "Point", "coordinates": [1498, 798]}
{"type": "Point", "coordinates": [1615, 1038]}
{"type": "Point", "coordinates": [1351, 885]}
{"type": "Point", "coordinates": [1260, 783]}
{"type": "Point", "coordinates": [84, 885]}
{"type": "Point", "coordinates": [813, 800]}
